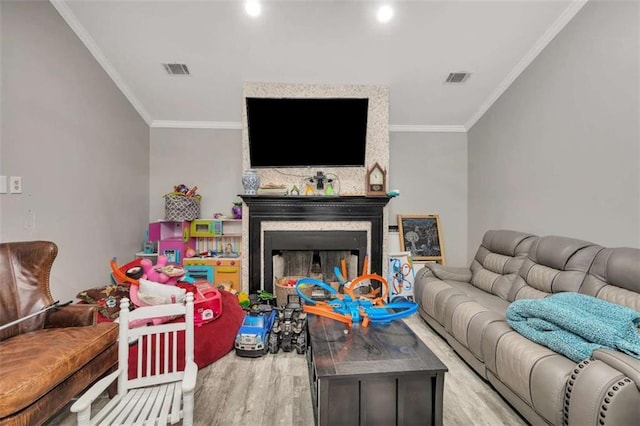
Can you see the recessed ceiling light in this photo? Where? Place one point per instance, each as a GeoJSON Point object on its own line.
{"type": "Point", "coordinates": [253, 8]}
{"type": "Point", "coordinates": [385, 13]}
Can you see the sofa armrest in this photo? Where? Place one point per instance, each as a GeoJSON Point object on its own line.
{"type": "Point", "coordinates": [449, 272]}
{"type": "Point", "coordinates": [72, 316]}
{"type": "Point", "coordinates": [622, 362]}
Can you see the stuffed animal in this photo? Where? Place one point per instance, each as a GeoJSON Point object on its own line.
{"type": "Point", "coordinates": [152, 293]}
{"type": "Point", "coordinates": [161, 272]}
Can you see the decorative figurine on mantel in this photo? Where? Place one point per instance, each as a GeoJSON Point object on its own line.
{"type": "Point", "coordinates": [328, 190]}
{"type": "Point", "coordinates": [309, 189]}
{"type": "Point", "coordinates": [376, 180]}
{"type": "Point", "coordinates": [236, 210]}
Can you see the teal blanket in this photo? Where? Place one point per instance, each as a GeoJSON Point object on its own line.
{"type": "Point", "coordinates": [575, 324]}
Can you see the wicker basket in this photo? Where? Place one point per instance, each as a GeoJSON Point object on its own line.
{"type": "Point", "coordinates": [283, 291]}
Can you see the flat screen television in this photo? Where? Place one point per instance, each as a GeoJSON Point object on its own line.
{"type": "Point", "coordinates": [307, 132]}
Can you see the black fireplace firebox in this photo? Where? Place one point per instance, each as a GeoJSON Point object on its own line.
{"type": "Point", "coordinates": [311, 208]}
{"type": "Point", "coordinates": [277, 241]}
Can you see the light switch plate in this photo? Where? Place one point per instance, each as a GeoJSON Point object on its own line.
{"type": "Point", "coordinates": [15, 184]}
{"type": "Point", "coordinates": [3, 185]}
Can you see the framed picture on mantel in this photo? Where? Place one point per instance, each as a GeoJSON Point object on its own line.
{"type": "Point", "coordinates": [421, 235]}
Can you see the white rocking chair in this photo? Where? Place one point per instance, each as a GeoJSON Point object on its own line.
{"type": "Point", "coordinates": [162, 392]}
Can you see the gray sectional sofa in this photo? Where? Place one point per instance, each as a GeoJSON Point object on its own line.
{"type": "Point", "coordinates": [467, 307]}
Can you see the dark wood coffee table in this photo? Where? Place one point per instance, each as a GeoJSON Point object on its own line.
{"type": "Point", "coordinates": [377, 375]}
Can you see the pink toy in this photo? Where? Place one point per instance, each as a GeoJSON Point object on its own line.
{"type": "Point", "coordinates": [120, 273]}
{"type": "Point", "coordinates": [207, 302]}
{"type": "Point", "coordinates": [161, 272]}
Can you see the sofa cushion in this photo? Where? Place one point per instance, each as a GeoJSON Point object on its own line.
{"type": "Point", "coordinates": [434, 299]}
{"type": "Point", "coordinates": [468, 323]}
{"type": "Point", "coordinates": [498, 259]}
{"type": "Point", "coordinates": [615, 277]}
{"type": "Point", "coordinates": [24, 284]}
{"type": "Point", "coordinates": [536, 374]}
{"type": "Point", "coordinates": [462, 310]}
{"type": "Point", "coordinates": [554, 264]}
{"type": "Point", "coordinates": [35, 363]}
{"type": "Point", "coordinates": [489, 301]}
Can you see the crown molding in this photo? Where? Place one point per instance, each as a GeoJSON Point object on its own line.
{"type": "Point", "coordinates": [175, 124]}
{"type": "Point", "coordinates": [418, 128]}
{"type": "Point", "coordinates": [574, 7]}
{"type": "Point", "coordinates": [231, 125]}
{"type": "Point", "coordinates": [542, 42]}
{"type": "Point", "coordinates": [91, 45]}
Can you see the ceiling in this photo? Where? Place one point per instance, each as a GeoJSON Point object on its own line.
{"type": "Point", "coordinates": [315, 42]}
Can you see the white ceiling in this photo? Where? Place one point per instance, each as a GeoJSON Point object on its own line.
{"type": "Point", "coordinates": [317, 42]}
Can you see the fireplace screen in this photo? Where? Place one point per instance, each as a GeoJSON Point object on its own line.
{"type": "Point", "coordinates": [317, 264]}
{"type": "Point", "coordinates": [313, 254]}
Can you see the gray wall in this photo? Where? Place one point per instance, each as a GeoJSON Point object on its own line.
{"type": "Point", "coordinates": [429, 169]}
{"type": "Point", "coordinates": [81, 149]}
{"type": "Point", "coordinates": [558, 153]}
{"type": "Point", "coordinates": [206, 158]}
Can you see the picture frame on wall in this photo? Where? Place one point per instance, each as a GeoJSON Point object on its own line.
{"type": "Point", "coordinates": [421, 235]}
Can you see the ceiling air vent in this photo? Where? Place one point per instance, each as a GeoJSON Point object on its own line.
{"type": "Point", "coordinates": [176, 69]}
{"type": "Point", "coordinates": [457, 77]}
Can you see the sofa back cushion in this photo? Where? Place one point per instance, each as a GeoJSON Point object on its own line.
{"type": "Point", "coordinates": [24, 284]}
{"type": "Point", "coordinates": [498, 259]}
{"type": "Point", "coordinates": [554, 264]}
{"type": "Point", "coordinates": [615, 277]}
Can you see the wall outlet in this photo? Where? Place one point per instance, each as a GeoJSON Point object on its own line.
{"type": "Point", "coordinates": [15, 184]}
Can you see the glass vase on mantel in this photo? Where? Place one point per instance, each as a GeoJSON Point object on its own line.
{"type": "Point", "coordinates": [250, 182]}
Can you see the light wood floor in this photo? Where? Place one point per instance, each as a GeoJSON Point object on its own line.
{"type": "Point", "coordinates": [274, 390]}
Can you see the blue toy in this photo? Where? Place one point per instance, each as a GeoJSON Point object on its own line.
{"type": "Point", "coordinates": [349, 308]}
{"type": "Point", "coordinates": [253, 337]}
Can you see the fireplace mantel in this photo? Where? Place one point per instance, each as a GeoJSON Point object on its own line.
{"type": "Point", "coordinates": [311, 208]}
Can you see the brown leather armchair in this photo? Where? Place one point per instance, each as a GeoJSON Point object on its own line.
{"type": "Point", "coordinates": [51, 357]}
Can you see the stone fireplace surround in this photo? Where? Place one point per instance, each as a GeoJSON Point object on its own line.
{"type": "Point", "coordinates": [315, 213]}
{"type": "Point", "coordinates": [348, 180]}
{"type": "Point", "coordinates": [305, 223]}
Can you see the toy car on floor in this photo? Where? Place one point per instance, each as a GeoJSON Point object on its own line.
{"type": "Point", "coordinates": [252, 338]}
{"type": "Point", "coordinates": [289, 328]}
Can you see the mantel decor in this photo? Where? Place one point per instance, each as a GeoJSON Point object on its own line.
{"type": "Point", "coordinates": [250, 182]}
{"type": "Point", "coordinates": [376, 180]}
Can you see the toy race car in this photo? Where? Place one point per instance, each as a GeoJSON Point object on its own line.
{"type": "Point", "coordinates": [289, 328]}
{"type": "Point", "coordinates": [252, 338]}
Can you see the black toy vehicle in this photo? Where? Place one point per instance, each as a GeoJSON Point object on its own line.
{"type": "Point", "coordinates": [289, 329]}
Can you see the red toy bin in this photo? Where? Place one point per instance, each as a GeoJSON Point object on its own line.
{"type": "Point", "coordinates": [207, 302]}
